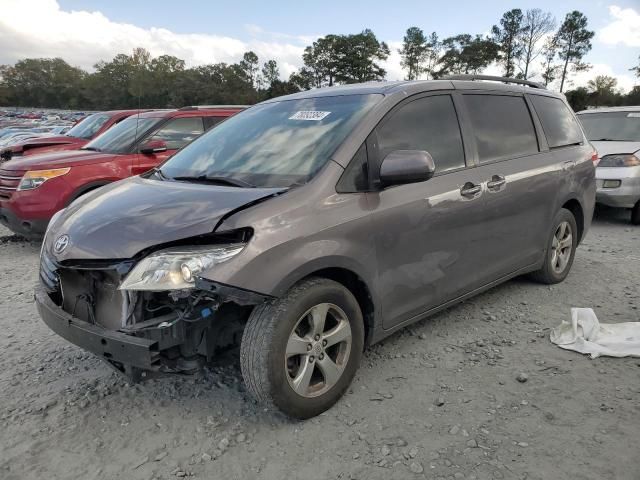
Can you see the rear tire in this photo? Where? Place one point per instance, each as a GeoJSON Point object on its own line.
{"type": "Point", "coordinates": [560, 251]}
{"type": "Point", "coordinates": [635, 214]}
{"type": "Point", "coordinates": [300, 352]}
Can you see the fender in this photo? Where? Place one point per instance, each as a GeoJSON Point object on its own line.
{"type": "Point", "coordinates": [87, 188]}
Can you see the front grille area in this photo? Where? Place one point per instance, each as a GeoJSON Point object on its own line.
{"type": "Point", "coordinates": [9, 181]}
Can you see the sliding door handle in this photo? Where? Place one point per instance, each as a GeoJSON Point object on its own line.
{"type": "Point", "coordinates": [496, 182]}
{"type": "Point", "coordinates": [470, 189]}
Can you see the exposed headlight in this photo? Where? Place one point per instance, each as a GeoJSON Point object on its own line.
{"type": "Point", "coordinates": [620, 160]}
{"type": "Point", "coordinates": [177, 268]}
{"type": "Point", "coordinates": [35, 178]}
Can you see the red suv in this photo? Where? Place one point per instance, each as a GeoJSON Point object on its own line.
{"type": "Point", "coordinates": [34, 187]}
{"type": "Point", "coordinates": [82, 133]}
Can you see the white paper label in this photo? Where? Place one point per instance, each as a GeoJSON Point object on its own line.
{"type": "Point", "coordinates": [633, 114]}
{"type": "Point", "coordinates": [312, 115]}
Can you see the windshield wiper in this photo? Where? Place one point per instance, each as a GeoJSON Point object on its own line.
{"type": "Point", "coordinates": [609, 140]}
{"type": "Point", "coordinates": [91, 149]}
{"type": "Point", "coordinates": [232, 182]}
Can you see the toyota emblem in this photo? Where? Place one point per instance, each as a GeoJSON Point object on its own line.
{"type": "Point", "coordinates": [61, 243]}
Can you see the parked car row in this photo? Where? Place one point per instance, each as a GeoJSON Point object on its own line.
{"type": "Point", "coordinates": [108, 147]}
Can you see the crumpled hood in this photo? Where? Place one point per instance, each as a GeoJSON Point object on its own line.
{"type": "Point", "coordinates": [608, 148]}
{"type": "Point", "coordinates": [64, 158]}
{"type": "Point", "coordinates": [119, 220]}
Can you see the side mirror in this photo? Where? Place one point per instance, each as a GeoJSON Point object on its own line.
{"type": "Point", "coordinates": [153, 146]}
{"type": "Point", "coordinates": [406, 166]}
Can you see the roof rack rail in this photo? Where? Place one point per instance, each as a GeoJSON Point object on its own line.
{"type": "Point", "coordinates": [199, 107]}
{"type": "Point", "coordinates": [495, 79]}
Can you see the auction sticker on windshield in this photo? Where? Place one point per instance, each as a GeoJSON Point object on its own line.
{"type": "Point", "coordinates": [309, 115]}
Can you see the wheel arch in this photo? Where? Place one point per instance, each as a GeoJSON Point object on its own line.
{"type": "Point", "coordinates": [345, 275]}
{"type": "Point", "coordinates": [86, 189]}
{"type": "Point", "coordinates": [575, 207]}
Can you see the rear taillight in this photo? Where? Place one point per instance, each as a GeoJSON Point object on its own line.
{"type": "Point", "coordinates": [594, 157]}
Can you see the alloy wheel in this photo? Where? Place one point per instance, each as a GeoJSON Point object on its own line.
{"type": "Point", "coordinates": [318, 350]}
{"type": "Point", "coordinates": [561, 247]}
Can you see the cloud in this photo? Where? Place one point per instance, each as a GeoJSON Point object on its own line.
{"type": "Point", "coordinates": [623, 30]}
{"type": "Point", "coordinates": [40, 28]}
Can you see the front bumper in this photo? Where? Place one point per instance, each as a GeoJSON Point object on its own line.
{"type": "Point", "coordinates": [624, 196]}
{"type": "Point", "coordinates": [114, 347]}
{"type": "Point", "coordinates": [31, 229]}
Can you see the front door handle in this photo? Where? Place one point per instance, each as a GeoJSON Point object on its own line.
{"type": "Point", "coordinates": [470, 189]}
{"type": "Point", "coordinates": [496, 182]}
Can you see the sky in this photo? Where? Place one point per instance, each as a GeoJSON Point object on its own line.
{"type": "Point", "coordinates": [85, 31]}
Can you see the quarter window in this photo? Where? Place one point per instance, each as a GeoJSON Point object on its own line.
{"type": "Point", "coordinates": [502, 126]}
{"type": "Point", "coordinates": [180, 131]}
{"type": "Point", "coordinates": [428, 123]}
{"type": "Point", "coordinates": [559, 125]}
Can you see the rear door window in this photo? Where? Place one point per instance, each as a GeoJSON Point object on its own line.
{"type": "Point", "coordinates": [502, 126]}
{"type": "Point", "coordinates": [428, 123]}
{"type": "Point", "coordinates": [178, 132]}
{"type": "Point", "coordinates": [211, 121]}
{"type": "Point", "coordinates": [559, 125]}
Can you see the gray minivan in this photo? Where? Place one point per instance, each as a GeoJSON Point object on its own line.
{"type": "Point", "coordinates": [312, 225]}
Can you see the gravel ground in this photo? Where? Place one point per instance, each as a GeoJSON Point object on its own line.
{"type": "Point", "coordinates": [476, 392]}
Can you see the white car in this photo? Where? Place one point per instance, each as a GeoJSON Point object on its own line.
{"type": "Point", "coordinates": [615, 134]}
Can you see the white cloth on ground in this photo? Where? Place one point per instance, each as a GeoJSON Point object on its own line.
{"type": "Point", "coordinates": [585, 334]}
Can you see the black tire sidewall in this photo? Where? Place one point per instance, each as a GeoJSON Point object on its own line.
{"type": "Point", "coordinates": [284, 397]}
{"type": "Point", "coordinates": [635, 214]}
{"type": "Point", "coordinates": [563, 215]}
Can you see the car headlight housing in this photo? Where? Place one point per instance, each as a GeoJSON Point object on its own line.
{"type": "Point", "coordinates": [177, 268]}
{"type": "Point", "coordinates": [34, 178]}
{"type": "Point", "coordinates": [620, 160]}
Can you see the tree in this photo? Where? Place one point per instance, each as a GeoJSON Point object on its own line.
{"type": "Point", "coordinates": [507, 37]}
{"type": "Point", "coordinates": [636, 69]}
{"type": "Point", "coordinates": [270, 72]}
{"type": "Point", "coordinates": [578, 98]}
{"type": "Point", "coordinates": [602, 89]}
{"type": "Point", "coordinates": [360, 56]}
{"type": "Point", "coordinates": [322, 58]}
{"type": "Point", "coordinates": [574, 42]}
{"type": "Point", "coordinates": [249, 65]}
{"type": "Point", "coordinates": [433, 53]}
{"type": "Point", "coordinates": [303, 79]}
{"type": "Point", "coordinates": [535, 26]}
{"type": "Point", "coordinates": [36, 82]}
{"type": "Point", "coordinates": [466, 54]}
{"type": "Point", "coordinates": [414, 52]}
{"type": "Point", "coordinates": [549, 67]}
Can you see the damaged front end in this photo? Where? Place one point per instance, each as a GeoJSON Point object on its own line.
{"type": "Point", "coordinates": [150, 315]}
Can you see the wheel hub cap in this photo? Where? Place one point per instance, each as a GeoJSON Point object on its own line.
{"type": "Point", "coordinates": [318, 350]}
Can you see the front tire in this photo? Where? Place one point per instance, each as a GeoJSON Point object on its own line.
{"type": "Point", "coordinates": [560, 251]}
{"type": "Point", "coordinates": [635, 214]}
{"type": "Point", "coordinates": [300, 352]}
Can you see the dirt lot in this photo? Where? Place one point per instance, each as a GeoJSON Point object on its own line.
{"type": "Point", "coordinates": [439, 400]}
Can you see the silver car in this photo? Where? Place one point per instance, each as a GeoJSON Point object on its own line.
{"type": "Point", "coordinates": [615, 133]}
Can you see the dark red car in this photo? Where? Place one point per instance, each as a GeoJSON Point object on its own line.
{"type": "Point", "coordinates": [33, 188]}
{"type": "Point", "coordinates": [82, 133]}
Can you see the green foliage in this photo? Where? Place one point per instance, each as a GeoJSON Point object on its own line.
{"type": "Point", "coordinates": [574, 42]}
{"type": "Point", "coordinates": [507, 36]}
{"type": "Point", "coordinates": [414, 52]}
{"type": "Point", "coordinates": [466, 54]}
{"type": "Point", "coordinates": [344, 59]}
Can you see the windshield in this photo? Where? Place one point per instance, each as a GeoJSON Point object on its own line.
{"type": "Point", "coordinates": [274, 144]}
{"type": "Point", "coordinates": [612, 126]}
{"type": "Point", "coordinates": [121, 137]}
{"type": "Point", "coordinates": [88, 127]}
